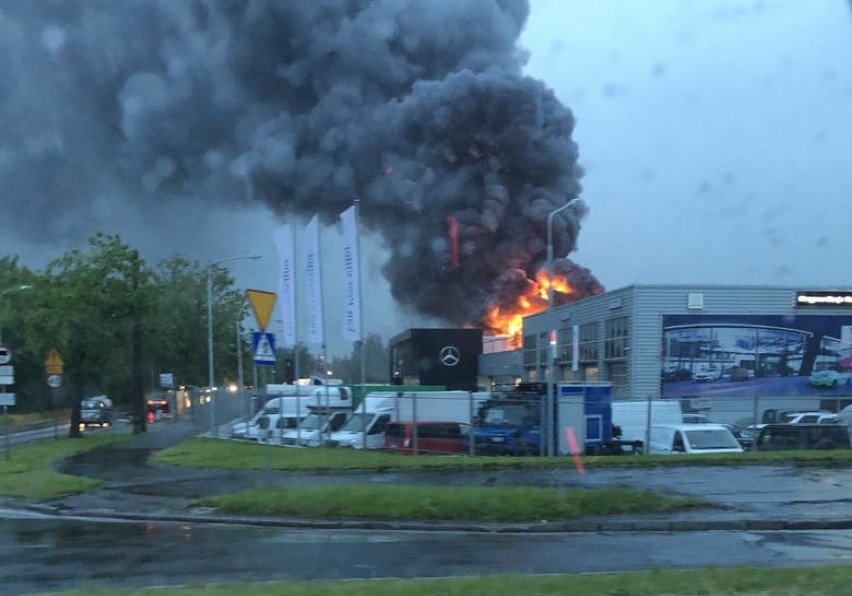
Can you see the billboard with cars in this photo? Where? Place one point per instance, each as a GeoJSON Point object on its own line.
{"type": "Point", "coordinates": [756, 355]}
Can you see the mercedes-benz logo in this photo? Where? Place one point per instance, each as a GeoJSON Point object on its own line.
{"type": "Point", "coordinates": [450, 356]}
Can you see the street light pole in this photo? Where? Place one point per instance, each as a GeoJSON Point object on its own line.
{"type": "Point", "coordinates": [550, 418]}
{"type": "Point", "coordinates": [213, 429]}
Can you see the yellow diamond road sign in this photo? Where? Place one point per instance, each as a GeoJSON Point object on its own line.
{"type": "Point", "coordinates": [53, 364]}
{"type": "Point", "coordinates": [261, 303]}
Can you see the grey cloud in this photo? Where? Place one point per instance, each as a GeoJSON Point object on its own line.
{"type": "Point", "coordinates": [418, 108]}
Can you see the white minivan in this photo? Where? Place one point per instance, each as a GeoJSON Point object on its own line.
{"type": "Point", "coordinates": [277, 413]}
{"type": "Point", "coordinates": [669, 439]}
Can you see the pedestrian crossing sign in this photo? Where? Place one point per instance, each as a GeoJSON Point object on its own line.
{"type": "Point", "coordinates": [263, 348]}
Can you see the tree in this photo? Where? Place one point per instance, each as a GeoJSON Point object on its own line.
{"type": "Point", "coordinates": [87, 307]}
{"type": "Point", "coordinates": [113, 319]}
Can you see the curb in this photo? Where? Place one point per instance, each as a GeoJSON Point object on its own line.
{"type": "Point", "coordinates": [567, 527]}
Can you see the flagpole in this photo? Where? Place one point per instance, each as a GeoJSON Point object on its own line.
{"type": "Point", "coordinates": [360, 297]}
{"type": "Point", "coordinates": [324, 357]}
{"type": "Point", "coordinates": [296, 321]}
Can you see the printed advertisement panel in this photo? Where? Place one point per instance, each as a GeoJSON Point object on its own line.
{"type": "Point", "coordinates": [756, 355]}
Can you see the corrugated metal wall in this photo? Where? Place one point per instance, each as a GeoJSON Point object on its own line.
{"type": "Point", "coordinates": [645, 305]}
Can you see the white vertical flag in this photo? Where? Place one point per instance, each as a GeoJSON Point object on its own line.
{"type": "Point", "coordinates": [286, 283]}
{"type": "Point", "coordinates": [351, 293]}
{"type": "Point", "coordinates": [314, 282]}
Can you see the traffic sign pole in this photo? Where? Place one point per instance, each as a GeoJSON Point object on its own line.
{"type": "Point", "coordinates": [6, 375]}
{"type": "Point", "coordinates": [6, 424]}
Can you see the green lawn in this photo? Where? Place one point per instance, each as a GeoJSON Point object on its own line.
{"type": "Point", "coordinates": [29, 471]}
{"type": "Point", "coordinates": [55, 416]}
{"type": "Point", "coordinates": [744, 581]}
{"type": "Point", "coordinates": [487, 504]}
{"type": "Point", "coordinates": [232, 455]}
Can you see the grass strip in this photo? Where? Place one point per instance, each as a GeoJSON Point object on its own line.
{"type": "Point", "coordinates": [483, 504]}
{"type": "Point", "coordinates": [35, 418]}
{"type": "Point", "coordinates": [29, 470]}
{"type": "Point", "coordinates": [828, 580]}
{"type": "Point", "coordinates": [234, 455]}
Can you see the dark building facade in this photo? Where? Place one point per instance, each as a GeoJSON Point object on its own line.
{"type": "Point", "coordinates": [448, 357]}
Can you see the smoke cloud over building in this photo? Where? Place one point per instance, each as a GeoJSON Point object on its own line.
{"type": "Point", "coordinates": [419, 108]}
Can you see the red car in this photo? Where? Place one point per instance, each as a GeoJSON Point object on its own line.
{"type": "Point", "coordinates": [433, 438]}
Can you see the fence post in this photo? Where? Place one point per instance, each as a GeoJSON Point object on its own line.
{"type": "Point", "coordinates": [363, 419]}
{"type": "Point", "coordinates": [755, 419]}
{"type": "Point", "coordinates": [471, 434]}
{"type": "Point", "coordinates": [414, 422]}
{"type": "Point", "coordinates": [647, 449]}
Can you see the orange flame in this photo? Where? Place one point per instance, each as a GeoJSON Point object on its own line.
{"type": "Point", "coordinates": [508, 319]}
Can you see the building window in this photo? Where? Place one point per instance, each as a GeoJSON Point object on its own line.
{"type": "Point", "coordinates": [617, 375]}
{"type": "Point", "coordinates": [589, 373]}
{"type": "Point", "coordinates": [530, 350]}
{"type": "Point", "coordinates": [563, 352]}
{"type": "Point", "coordinates": [589, 342]}
{"type": "Point", "coordinates": [544, 349]}
{"type": "Point", "coordinates": [615, 338]}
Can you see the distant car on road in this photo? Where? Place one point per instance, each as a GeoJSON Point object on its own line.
{"type": "Point", "coordinates": [96, 410]}
{"type": "Point", "coordinates": [828, 378]}
{"type": "Point", "coordinates": [156, 404]}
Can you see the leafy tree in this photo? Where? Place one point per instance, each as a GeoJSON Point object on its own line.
{"type": "Point", "coordinates": [86, 307]}
{"type": "Point", "coordinates": [93, 305]}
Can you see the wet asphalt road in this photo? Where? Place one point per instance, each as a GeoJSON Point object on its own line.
{"type": "Point", "coordinates": [42, 552]}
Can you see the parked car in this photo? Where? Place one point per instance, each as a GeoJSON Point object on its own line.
{"type": "Point", "coordinates": [680, 374]}
{"type": "Point", "coordinates": [740, 373]}
{"type": "Point", "coordinates": [96, 410]}
{"type": "Point", "coordinates": [434, 438]}
{"type": "Point", "coordinates": [828, 378]}
{"type": "Point", "coordinates": [750, 433]}
{"type": "Point", "coordinates": [775, 437]}
{"type": "Point", "coordinates": [710, 373]}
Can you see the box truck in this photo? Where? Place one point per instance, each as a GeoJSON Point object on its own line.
{"type": "Point", "coordinates": [365, 426]}
{"type": "Point", "coordinates": [515, 422]}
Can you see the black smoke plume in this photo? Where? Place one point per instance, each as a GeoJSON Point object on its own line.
{"type": "Point", "coordinates": [417, 107]}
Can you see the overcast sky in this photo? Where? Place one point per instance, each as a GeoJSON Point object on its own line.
{"type": "Point", "coordinates": [713, 133]}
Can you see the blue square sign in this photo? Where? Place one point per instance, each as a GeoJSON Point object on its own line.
{"type": "Point", "coordinates": [263, 348]}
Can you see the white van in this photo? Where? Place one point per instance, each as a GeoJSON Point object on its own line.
{"type": "Point", "coordinates": [328, 407]}
{"type": "Point", "coordinates": [367, 423]}
{"type": "Point", "coordinates": [667, 439]}
{"type": "Point", "coordinates": [632, 416]}
{"type": "Point", "coordinates": [278, 412]}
